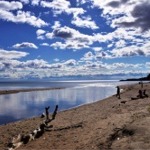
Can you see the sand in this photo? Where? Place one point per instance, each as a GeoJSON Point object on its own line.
{"type": "Point", "coordinates": [112, 123]}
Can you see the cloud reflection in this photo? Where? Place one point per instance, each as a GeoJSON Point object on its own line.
{"type": "Point", "coordinates": [28, 104]}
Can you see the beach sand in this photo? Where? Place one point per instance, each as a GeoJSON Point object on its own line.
{"type": "Point", "coordinates": [111, 123]}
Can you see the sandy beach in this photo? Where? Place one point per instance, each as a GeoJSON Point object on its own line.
{"type": "Point", "coordinates": [111, 123]}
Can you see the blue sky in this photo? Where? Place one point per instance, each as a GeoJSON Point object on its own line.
{"type": "Point", "coordinates": [56, 38]}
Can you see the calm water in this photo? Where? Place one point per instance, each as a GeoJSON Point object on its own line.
{"type": "Point", "coordinates": [28, 104]}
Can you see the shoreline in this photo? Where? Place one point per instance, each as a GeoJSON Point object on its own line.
{"type": "Point", "coordinates": [27, 90]}
{"type": "Point", "coordinates": [109, 123]}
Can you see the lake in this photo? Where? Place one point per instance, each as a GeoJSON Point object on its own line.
{"type": "Point", "coordinates": [23, 105]}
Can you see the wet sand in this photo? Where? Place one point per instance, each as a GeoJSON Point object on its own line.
{"type": "Point", "coordinates": [111, 123]}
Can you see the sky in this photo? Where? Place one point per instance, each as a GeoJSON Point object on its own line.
{"type": "Point", "coordinates": [63, 38]}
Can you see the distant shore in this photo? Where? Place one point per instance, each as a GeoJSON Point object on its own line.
{"type": "Point", "coordinates": [27, 90]}
{"type": "Point", "coordinates": [111, 123]}
{"type": "Point", "coordinates": [147, 78]}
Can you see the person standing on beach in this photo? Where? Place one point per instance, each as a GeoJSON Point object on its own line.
{"type": "Point", "coordinates": [118, 92]}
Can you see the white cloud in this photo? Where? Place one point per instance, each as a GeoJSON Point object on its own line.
{"type": "Point", "coordinates": [103, 55]}
{"type": "Point", "coordinates": [25, 1]}
{"type": "Point", "coordinates": [70, 62]}
{"type": "Point", "coordinates": [120, 43]}
{"type": "Point", "coordinates": [132, 51]}
{"type": "Point", "coordinates": [36, 64]}
{"type": "Point", "coordinates": [49, 35]}
{"type": "Point", "coordinates": [88, 56]}
{"type": "Point", "coordinates": [126, 13]}
{"type": "Point", "coordinates": [44, 44]}
{"type": "Point", "coordinates": [7, 13]}
{"type": "Point", "coordinates": [75, 11]}
{"type": "Point", "coordinates": [25, 45]}
{"type": "Point", "coordinates": [71, 44]}
{"type": "Point", "coordinates": [56, 25]}
{"type": "Point", "coordinates": [40, 32]}
{"type": "Point", "coordinates": [5, 54]}
{"type": "Point", "coordinates": [148, 65]}
{"type": "Point", "coordinates": [14, 5]}
{"type": "Point", "coordinates": [64, 32]}
{"type": "Point", "coordinates": [140, 13]}
{"type": "Point", "coordinates": [73, 39]}
{"type": "Point", "coordinates": [58, 6]}
{"type": "Point", "coordinates": [39, 68]}
{"type": "Point", "coordinates": [87, 22]}
{"type": "Point", "coordinates": [35, 2]}
{"type": "Point", "coordinates": [80, 2]}
{"type": "Point", "coordinates": [97, 49]}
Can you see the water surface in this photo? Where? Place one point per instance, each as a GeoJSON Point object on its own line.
{"type": "Point", "coordinates": [23, 105]}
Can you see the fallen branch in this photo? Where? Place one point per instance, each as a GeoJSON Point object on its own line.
{"type": "Point", "coordinates": [24, 139]}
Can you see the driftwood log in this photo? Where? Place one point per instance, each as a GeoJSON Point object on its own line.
{"type": "Point", "coordinates": [24, 139]}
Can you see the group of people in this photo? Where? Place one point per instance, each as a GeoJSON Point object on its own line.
{"type": "Point", "coordinates": [141, 93]}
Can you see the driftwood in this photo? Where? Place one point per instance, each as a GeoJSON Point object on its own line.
{"type": "Point", "coordinates": [24, 139]}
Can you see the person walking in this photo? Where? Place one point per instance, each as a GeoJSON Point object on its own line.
{"type": "Point", "coordinates": [118, 92]}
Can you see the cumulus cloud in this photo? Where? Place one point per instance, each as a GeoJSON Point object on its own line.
{"type": "Point", "coordinates": [70, 62]}
{"type": "Point", "coordinates": [74, 45]}
{"type": "Point", "coordinates": [7, 12]}
{"type": "Point", "coordinates": [36, 64]}
{"type": "Point", "coordinates": [120, 43]}
{"type": "Point", "coordinates": [132, 51]}
{"type": "Point", "coordinates": [40, 34]}
{"type": "Point", "coordinates": [114, 4]}
{"type": "Point", "coordinates": [58, 6]}
{"type": "Point", "coordinates": [73, 39]}
{"type": "Point", "coordinates": [25, 45]}
{"type": "Point", "coordinates": [103, 55]}
{"type": "Point", "coordinates": [85, 22]}
{"type": "Point", "coordinates": [32, 2]}
{"type": "Point", "coordinates": [63, 6]}
{"type": "Point", "coordinates": [148, 65]}
{"type": "Point", "coordinates": [44, 44]}
{"type": "Point", "coordinates": [88, 56]}
{"type": "Point", "coordinates": [35, 2]}
{"type": "Point", "coordinates": [64, 32]}
{"type": "Point", "coordinates": [25, 1]}
{"type": "Point", "coordinates": [75, 11]}
{"type": "Point", "coordinates": [97, 56]}
{"type": "Point", "coordinates": [5, 54]}
{"type": "Point", "coordinates": [39, 68]}
{"type": "Point", "coordinates": [126, 13]}
{"type": "Point", "coordinates": [142, 18]}
{"type": "Point", "coordinates": [14, 5]}
{"type": "Point", "coordinates": [22, 17]}
{"type": "Point", "coordinates": [56, 25]}
{"type": "Point", "coordinates": [97, 49]}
